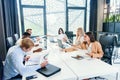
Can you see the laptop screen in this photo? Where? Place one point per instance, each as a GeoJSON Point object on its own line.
{"type": "Point", "coordinates": [60, 43]}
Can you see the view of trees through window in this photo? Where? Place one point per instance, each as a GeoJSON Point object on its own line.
{"type": "Point", "coordinates": [112, 11]}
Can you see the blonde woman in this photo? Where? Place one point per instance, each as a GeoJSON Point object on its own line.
{"type": "Point", "coordinates": [78, 41]}
{"type": "Point", "coordinates": [79, 36]}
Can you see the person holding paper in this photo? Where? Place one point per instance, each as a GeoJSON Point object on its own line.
{"type": "Point", "coordinates": [14, 67]}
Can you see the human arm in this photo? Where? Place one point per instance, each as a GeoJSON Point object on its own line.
{"type": "Point", "coordinates": [22, 69]}
{"type": "Point", "coordinates": [69, 49]}
{"type": "Point", "coordinates": [96, 51]}
{"type": "Point", "coordinates": [37, 50]}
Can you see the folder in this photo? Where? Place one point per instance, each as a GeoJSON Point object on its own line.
{"type": "Point", "coordinates": [49, 70]}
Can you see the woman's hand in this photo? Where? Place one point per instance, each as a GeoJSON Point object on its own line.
{"type": "Point", "coordinates": [90, 54]}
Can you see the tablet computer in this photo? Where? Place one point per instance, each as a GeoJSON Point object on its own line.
{"type": "Point", "coordinates": [49, 70]}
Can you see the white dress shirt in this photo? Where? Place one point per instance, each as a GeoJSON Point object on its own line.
{"type": "Point", "coordinates": [14, 63]}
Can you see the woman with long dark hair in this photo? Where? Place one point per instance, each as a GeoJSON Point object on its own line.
{"type": "Point", "coordinates": [94, 47]}
{"type": "Point", "coordinates": [62, 36]}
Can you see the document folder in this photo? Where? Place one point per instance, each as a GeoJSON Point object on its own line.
{"type": "Point", "coordinates": [49, 70]}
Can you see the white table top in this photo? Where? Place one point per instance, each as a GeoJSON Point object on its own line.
{"type": "Point", "coordinates": [87, 67]}
{"type": "Point", "coordinates": [72, 69]}
{"type": "Point", "coordinates": [64, 74]}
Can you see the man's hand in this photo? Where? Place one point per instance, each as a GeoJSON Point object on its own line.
{"type": "Point", "coordinates": [43, 64]}
{"type": "Point", "coordinates": [26, 58]}
{"type": "Point", "coordinates": [37, 50]}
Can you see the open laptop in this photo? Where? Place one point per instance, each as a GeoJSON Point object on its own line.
{"type": "Point", "coordinates": [60, 44]}
{"type": "Point", "coordinates": [49, 70]}
{"type": "Point", "coordinates": [52, 39]}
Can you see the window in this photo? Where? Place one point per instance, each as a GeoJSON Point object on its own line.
{"type": "Point", "coordinates": [32, 16]}
{"type": "Point", "coordinates": [77, 14]}
{"type": "Point", "coordinates": [47, 16]}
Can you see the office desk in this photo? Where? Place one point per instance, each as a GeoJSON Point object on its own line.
{"type": "Point", "coordinates": [72, 69]}
{"type": "Point", "coordinates": [87, 67]}
{"type": "Point", "coordinates": [64, 74]}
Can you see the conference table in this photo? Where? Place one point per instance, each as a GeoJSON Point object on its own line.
{"type": "Point", "coordinates": [73, 69]}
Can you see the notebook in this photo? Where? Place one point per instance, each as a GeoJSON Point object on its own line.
{"type": "Point", "coordinates": [49, 70]}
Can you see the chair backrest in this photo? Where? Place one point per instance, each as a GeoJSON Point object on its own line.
{"type": "Point", "coordinates": [107, 43]}
{"type": "Point", "coordinates": [16, 37]}
{"type": "Point", "coordinates": [1, 69]}
{"type": "Point", "coordinates": [69, 35]}
{"type": "Point", "coordinates": [10, 42]}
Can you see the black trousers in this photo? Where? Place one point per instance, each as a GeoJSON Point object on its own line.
{"type": "Point", "coordinates": [18, 77]}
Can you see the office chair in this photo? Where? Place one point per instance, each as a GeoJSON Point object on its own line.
{"type": "Point", "coordinates": [116, 54]}
{"type": "Point", "coordinates": [70, 36]}
{"type": "Point", "coordinates": [10, 42]}
{"type": "Point", "coordinates": [107, 43]}
{"type": "Point", "coordinates": [15, 37]}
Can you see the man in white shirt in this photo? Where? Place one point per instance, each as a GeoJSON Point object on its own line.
{"type": "Point", "coordinates": [14, 66]}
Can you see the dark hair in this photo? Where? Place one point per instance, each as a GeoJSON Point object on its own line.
{"type": "Point", "coordinates": [61, 30]}
{"type": "Point", "coordinates": [91, 36]}
{"type": "Point", "coordinates": [25, 34]}
{"type": "Point", "coordinates": [28, 29]}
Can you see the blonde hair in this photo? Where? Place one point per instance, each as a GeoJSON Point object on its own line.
{"type": "Point", "coordinates": [27, 43]}
{"type": "Point", "coordinates": [80, 29]}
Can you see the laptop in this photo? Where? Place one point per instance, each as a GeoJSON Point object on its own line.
{"type": "Point", "coordinates": [60, 44]}
{"type": "Point", "coordinates": [52, 39]}
{"type": "Point", "coordinates": [49, 70]}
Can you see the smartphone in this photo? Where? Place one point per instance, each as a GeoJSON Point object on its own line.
{"type": "Point", "coordinates": [78, 58]}
{"type": "Point", "coordinates": [31, 77]}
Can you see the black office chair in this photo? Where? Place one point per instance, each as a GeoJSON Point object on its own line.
{"type": "Point", "coordinates": [10, 42]}
{"type": "Point", "coordinates": [116, 54]}
{"type": "Point", "coordinates": [16, 37]}
{"type": "Point", "coordinates": [107, 42]}
{"type": "Point", "coordinates": [1, 69]}
{"type": "Point", "coordinates": [70, 36]}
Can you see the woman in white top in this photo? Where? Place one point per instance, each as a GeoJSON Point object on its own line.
{"type": "Point", "coordinates": [62, 36]}
{"type": "Point", "coordinates": [79, 36]}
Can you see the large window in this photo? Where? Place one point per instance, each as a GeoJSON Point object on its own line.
{"type": "Point", "coordinates": [32, 16]}
{"type": "Point", "coordinates": [77, 14]}
{"type": "Point", "coordinates": [47, 16]}
{"type": "Point", "coordinates": [55, 15]}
